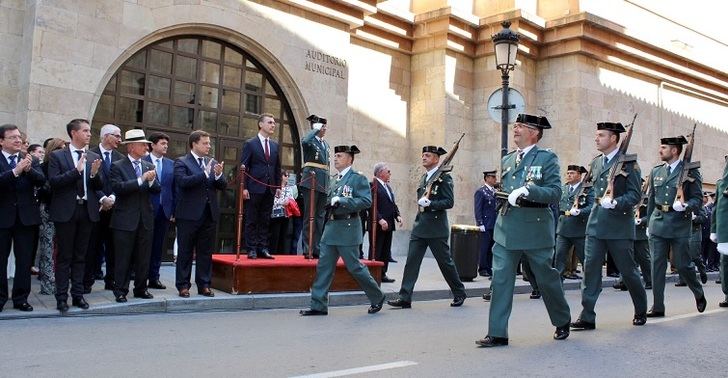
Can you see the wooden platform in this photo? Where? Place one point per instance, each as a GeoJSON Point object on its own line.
{"type": "Point", "coordinates": [285, 274]}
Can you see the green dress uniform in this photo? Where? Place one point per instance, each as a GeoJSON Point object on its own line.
{"type": "Point", "coordinates": [719, 225]}
{"type": "Point", "coordinates": [316, 164]}
{"type": "Point", "coordinates": [538, 170]}
{"type": "Point", "coordinates": [642, 245]}
{"type": "Point", "coordinates": [670, 229]}
{"type": "Point", "coordinates": [571, 230]}
{"type": "Point", "coordinates": [431, 229]}
{"type": "Point", "coordinates": [341, 237]}
{"type": "Point", "coordinates": [612, 231]}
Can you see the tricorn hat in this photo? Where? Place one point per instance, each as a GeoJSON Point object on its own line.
{"type": "Point", "coordinates": [611, 126]}
{"type": "Point", "coordinates": [135, 136]}
{"type": "Point", "coordinates": [674, 141]}
{"type": "Point", "coordinates": [533, 121]}
{"type": "Point", "coordinates": [313, 118]}
{"type": "Point", "coordinates": [577, 168]}
{"type": "Point", "coordinates": [353, 150]}
{"type": "Point", "coordinates": [434, 149]}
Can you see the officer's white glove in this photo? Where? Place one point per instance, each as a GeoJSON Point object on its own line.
{"type": "Point", "coordinates": [679, 206]}
{"type": "Point", "coordinates": [335, 200]}
{"type": "Point", "coordinates": [693, 216]}
{"type": "Point", "coordinates": [574, 212]}
{"type": "Point", "coordinates": [520, 192]}
{"type": "Point", "coordinates": [424, 202]}
{"type": "Point", "coordinates": [713, 237]}
{"type": "Point", "coordinates": [608, 203]}
{"type": "Point", "coordinates": [318, 126]}
{"type": "Point", "coordinates": [647, 231]}
{"type": "Point", "coordinates": [482, 228]}
{"type": "Point", "coordinates": [638, 221]}
{"type": "Point", "coordinates": [723, 248]}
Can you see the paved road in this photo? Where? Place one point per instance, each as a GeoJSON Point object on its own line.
{"type": "Point", "coordinates": [430, 340]}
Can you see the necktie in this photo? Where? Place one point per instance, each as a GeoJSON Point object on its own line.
{"type": "Point", "coordinates": [107, 162]}
{"type": "Point", "coordinates": [571, 189]}
{"type": "Point", "coordinates": [389, 192]}
{"type": "Point", "coordinates": [80, 187]}
{"type": "Point", "coordinates": [158, 165]}
{"type": "Point", "coordinates": [519, 157]}
{"type": "Point", "coordinates": [669, 170]}
{"type": "Point", "coordinates": [267, 150]}
{"type": "Point", "coordinates": [137, 168]}
{"type": "Point", "coordinates": [606, 161]}
{"type": "Point", "coordinates": [12, 161]}
{"type": "Point", "coordinates": [202, 163]}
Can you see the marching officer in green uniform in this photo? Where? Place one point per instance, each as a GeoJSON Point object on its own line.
{"type": "Point", "coordinates": [611, 227]}
{"type": "Point", "coordinates": [571, 228]}
{"type": "Point", "coordinates": [342, 235]}
{"type": "Point", "coordinates": [719, 229]}
{"type": "Point", "coordinates": [530, 176]}
{"type": "Point", "coordinates": [670, 222]}
{"type": "Point", "coordinates": [316, 165]}
{"type": "Point", "coordinates": [431, 229]}
{"type": "Point", "coordinates": [641, 244]}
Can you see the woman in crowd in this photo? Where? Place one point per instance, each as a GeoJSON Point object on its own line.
{"type": "Point", "coordinates": [47, 230]}
{"type": "Point", "coordinates": [279, 215]}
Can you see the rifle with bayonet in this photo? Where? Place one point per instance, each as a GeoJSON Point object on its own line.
{"type": "Point", "coordinates": [618, 167]}
{"type": "Point", "coordinates": [443, 168]}
{"type": "Point", "coordinates": [687, 165]}
{"type": "Point", "coordinates": [586, 183]}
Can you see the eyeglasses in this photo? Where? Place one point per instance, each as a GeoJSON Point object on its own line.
{"type": "Point", "coordinates": [117, 136]}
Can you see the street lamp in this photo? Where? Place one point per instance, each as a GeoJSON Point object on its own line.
{"type": "Point", "coordinates": [505, 44]}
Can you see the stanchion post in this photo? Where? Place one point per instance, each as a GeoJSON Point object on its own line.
{"type": "Point", "coordinates": [373, 224]}
{"type": "Point", "coordinates": [311, 208]}
{"type": "Point", "coordinates": [239, 228]}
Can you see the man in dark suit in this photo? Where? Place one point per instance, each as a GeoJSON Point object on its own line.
{"type": "Point", "coordinates": [162, 204]}
{"type": "Point", "coordinates": [387, 213]}
{"type": "Point", "coordinates": [20, 176]}
{"type": "Point", "coordinates": [196, 177]}
{"type": "Point", "coordinates": [262, 163]}
{"type": "Point", "coordinates": [132, 221]}
{"type": "Point", "coordinates": [484, 205]}
{"type": "Point", "coordinates": [73, 175]}
{"type": "Point", "coordinates": [101, 246]}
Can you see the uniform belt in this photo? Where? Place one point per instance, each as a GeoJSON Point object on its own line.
{"type": "Point", "coordinates": [527, 203]}
{"type": "Point", "coordinates": [343, 216]}
{"type": "Point", "coordinates": [315, 165]}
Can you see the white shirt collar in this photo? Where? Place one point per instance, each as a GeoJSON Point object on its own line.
{"type": "Point", "coordinates": [674, 165]}
{"type": "Point", "coordinates": [262, 138]}
{"type": "Point", "coordinates": [103, 150]}
{"type": "Point", "coordinates": [527, 149]}
{"type": "Point", "coordinates": [492, 189]}
{"type": "Point", "coordinates": [73, 148]}
{"type": "Point", "coordinates": [432, 172]}
{"type": "Point", "coordinates": [7, 155]}
{"type": "Point", "coordinates": [131, 159]}
{"type": "Point", "coordinates": [612, 154]}
{"type": "Point", "coordinates": [155, 158]}
{"type": "Point", "coordinates": [197, 158]}
{"type": "Point", "coordinates": [344, 171]}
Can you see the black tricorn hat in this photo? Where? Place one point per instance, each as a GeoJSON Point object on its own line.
{"type": "Point", "coordinates": [674, 141]}
{"type": "Point", "coordinates": [353, 150]}
{"type": "Point", "coordinates": [489, 173]}
{"type": "Point", "coordinates": [533, 121]}
{"type": "Point", "coordinates": [434, 149]}
{"type": "Point", "coordinates": [313, 118]}
{"type": "Point", "coordinates": [577, 168]}
{"type": "Point", "coordinates": [611, 126]}
{"type": "Point", "coordinates": [707, 193]}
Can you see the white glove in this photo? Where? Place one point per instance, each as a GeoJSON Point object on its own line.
{"type": "Point", "coordinates": [574, 212]}
{"type": "Point", "coordinates": [723, 248]}
{"type": "Point", "coordinates": [608, 203]}
{"type": "Point", "coordinates": [520, 192]}
{"type": "Point", "coordinates": [679, 206]}
{"type": "Point", "coordinates": [693, 216]}
{"type": "Point", "coordinates": [482, 228]}
{"type": "Point", "coordinates": [713, 237]}
{"type": "Point", "coordinates": [424, 202]}
{"type": "Point", "coordinates": [318, 126]}
{"type": "Point", "coordinates": [335, 200]}
{"type": "Point", "coordinates": [637, 221]}
{"type": "Point", "coordinates": [647, 231]}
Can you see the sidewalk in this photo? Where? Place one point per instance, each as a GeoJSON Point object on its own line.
{"type": "Point", "coordinates": [430, 286]}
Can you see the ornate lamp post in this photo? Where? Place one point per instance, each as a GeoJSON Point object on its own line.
{"type": "Point", "coordinates": [505, 43]}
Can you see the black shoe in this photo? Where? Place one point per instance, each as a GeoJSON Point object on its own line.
{"type": "Point", "coordinates": [373, 309]}
{"type": "Point", "coordinates": [701, 271]}
{"type": "Point", "coordinates": [143, 294]}
{"type": "Point", "coordinates": [264, 254]}
{"type": "Point", "coordinates": [571, 276]}
{"type": "Point", "coordinates": [206, 292]}
{"type": "Point", "coordinates": [701, 303]}
{"type": "Point", "coordinates": [614, 275]}
{"type": "Point", "coordinates": [723, 304]}
{"type": "Point", "coordinates": [400, 303]}
{"type": "Point", "coordinates": [648, 286]}
{"type": "Point", "coordinates": [485, 274]}
{"type": "Point", "coordinates": [620, 286]}
{"type": "Point", "coordinates": [386, 279]}
{"type": "Point", "coordinates": [717, 281]}
{"type": "Point", "coordinates": [457, 301]}
{"type": "Point", "coordinates": [80, 303]}
{"type": "Point", "coordinates": [655, 314]}
{"type": "Point", "coordinates": [535, 294]}
{"type": "Point", "coordinates": [25, 306]}
{"type": "Point", "coordinates": [393, 261]}
{"type": "Point", "coordinates": [490, 341]}
{"type": "Point", "coordinates": [680, 284]}
{"type": "Point", "coordinates": [580, 325]}
{"type": "Point", "coordinates": [639, 319]}
{"type": "Point", "coordinates": [62, 306]}
{"type": "Point", "coordinates": [252, 255]}
{"type": "Point", "coordinates": [562, 332]}
{"type": "Point", "coordinates": [312, 312]}
{"type": "Point", "coordinates": [487, 296]}
{"type": "Point", "coordinates": [156, 284]}
{"type": "Point", "coordinates": [121, 298]}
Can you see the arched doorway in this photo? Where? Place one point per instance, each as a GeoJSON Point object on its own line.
{"type": "Point", "coordinates": [192, 82]}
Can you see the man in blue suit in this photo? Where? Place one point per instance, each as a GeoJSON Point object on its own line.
{"type": "Point", "coordinates": [485, 214]}
{"type": "Point", "coordinates": [262, 163]}
{"type": "Point", "coordinates": [162, 204]}
{"type": "Point", "coordinates": [196, 177]}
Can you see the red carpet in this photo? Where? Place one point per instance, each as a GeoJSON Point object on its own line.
{"type": "Point", "coordinates": [279, 261]}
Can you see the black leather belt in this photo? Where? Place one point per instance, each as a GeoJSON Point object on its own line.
{"type": "Point", "coordinates": [343, 216]}
{"type": "Point", "coordinates": [527, 203]}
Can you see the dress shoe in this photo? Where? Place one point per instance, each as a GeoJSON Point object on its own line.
{"type": "Point", "coordinates": [486, 296]}
{"type": "Point", "coordinates": [373, 309]}
{"type": "Point", "coordinates": [639, 319]}
{"type": "Point", "coordinates": [613, 275]}
{"type": "Point", "coordinates": [80, 303]}
{"type": "Point", "coordinates": [264, 254]}
{"type": "Point", "coordinates": [457, 301]}
{"type": "Point", "coordinates": [490, 341]}
{"type": "Point", "coordinates": [701, 303]}
{"type": "Point", "coordinates": [717, 281]}
{"type": "Point", "coordinates": [393, 261]}
{"type": "Point", "coordinates": [156, 284]}
{"type": "Point", "coordinates": [535, 294]}
{"type": "Point", "coordinates": [400, 303]}
{"type": "Point", "coordinates": [655, 314]}
{"type": "Point", "coordinates": [581, 325]}
{"type": "Point", "coordinates": [680, 284]}
{"type": "Point", "coordinates": [620, 286]}
{"type": "Point", "coordinates": [143, 294]}
{"type": "Point", "coordinates": [184, 293]}
{"type": "Point", "coordinates": [562, 332]}
{"type": "Point", "coordinates": [25, 306]}
{"type": "Point", "coordinates": [206, 292]}
{"type": "Point", "coordinates": [62, 306]}
{"type": "Point", "coordinates": [723, 304]}
{"type": "Point", "coordinates": [252, 255]}
{"type": "Point", "coordinates": [386, 279]}
{"type": "Point", "coordinates": [312, 312]}
{"type": "Point", "coordinates": [702, 272]}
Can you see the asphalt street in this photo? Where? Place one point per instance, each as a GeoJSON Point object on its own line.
{"type": "Point", "coordinates": [429, 340]}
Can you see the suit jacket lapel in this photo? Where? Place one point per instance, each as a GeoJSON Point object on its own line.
{"type": "Point", "coordinates": [69, 157]}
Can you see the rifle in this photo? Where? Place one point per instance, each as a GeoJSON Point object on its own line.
{"type": "Point", "coordinates": [443, 168]}
{"type": "Point", "coordinates": [586, 182]}
{"type": "Point", "coordinates": [687, 165]}
{"type": "Point", "coordinates": [645, 190]}
{"type": "Point", "coordinates": [618, 166]}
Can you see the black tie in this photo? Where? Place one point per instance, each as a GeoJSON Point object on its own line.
{"type": "Point", "coordinates": [107, 162]}
{"type": "Point", "coordinates": [669, 170]}
{"type": "Point", "coordinates": [80, 191]}
{"type": "Point", "coordinates": [519, 158]}
{"type": "Point", "coordinates": [202, 163]}
{"type": "Point", "coordinates": [12, 161]}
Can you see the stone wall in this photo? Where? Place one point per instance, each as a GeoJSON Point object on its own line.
{"type": "Point", "coordinates": [12, 17]}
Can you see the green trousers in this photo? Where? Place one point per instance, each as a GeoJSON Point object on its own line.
{"type": "Point", "coordinates": [642, 257]}
{"type": "Point", "coordinates": [563, 245]}
{"type": "Point", "coordinates": [325, 275]}
{"type": "Point", "coordinates": [660, 247]}
{"type": "Point", "coordinates": [504, 279]}
{"type": "Point", "coordinates": [415, 254]}
{"type": "Point", "coordinates": [724, 274]}
{"type": "Point", "coordinates": [595, 252]}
